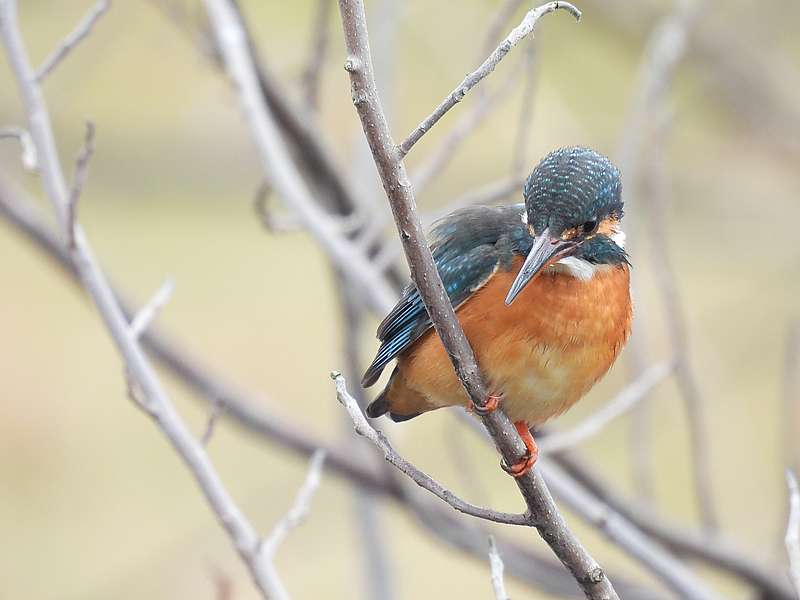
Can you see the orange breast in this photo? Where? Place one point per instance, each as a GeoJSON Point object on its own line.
{"type": "Point", "coordinates": [544, 352]}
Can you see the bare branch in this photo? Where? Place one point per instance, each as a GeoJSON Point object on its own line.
{"type": "Point", "coordinates": [695, 402]}
{"type": "Point", "coordinates": [301, 507]}
{"type": "Point", "coordinates": [83, 29]}
{"type": "Point", "coordinates": [713, 549]}
{"type": "Point", "coordinates": [517, 34]}
{"type": "Point", "coordinates": [620, 531]}
{"type": "Point", "coordinates": [28, 156]}
{"type": "Point", "coordinates": [142, 377]}
{"type": "Point", "coordinates": [150, 310]}
{"type": "Point", "coordinates": [279, 168]}
{"type": "Point", "coordinates": [469, 121]}
{"type": "Point", "coordinates": [496, 563]}
{"type": "Point", "coordinates": [793, 531]}
{"type": "Point", "coordinates": [626, 400]}
{"type": "Point", "coordinates": [319, 47]}
{"type": "Point", "coordinates": [248, 411]}
{"type": "Point", "coordinates": [363, 428]}
{"type": "Point", "coordinates": [78, 181]}
{"type": "Point", "coordinates": [544, 514]}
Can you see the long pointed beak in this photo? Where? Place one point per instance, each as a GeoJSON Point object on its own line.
{"type": "Point", "coordinates": [545, 251]}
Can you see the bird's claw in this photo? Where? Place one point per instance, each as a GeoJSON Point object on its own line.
{"type": "Point", "coordinates": [520, 468]}
{"type": "Point", "coordinates": [491, 404]}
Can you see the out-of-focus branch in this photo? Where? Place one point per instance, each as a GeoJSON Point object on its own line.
{"type": "Point", "coordinates": [625, 401]}
{"type": "Point", "coordinates": [141, 374]}
{"type": "Point", "coordinates": [497, 567]}
{"type": "Point", "coordinates": [512, 39]}
{"type": "Point", "coordinates": [388, 160]}
{"type": "Point", "coordinates": [248, 411]}
{"type": "Point", "coordinates": [664, 51]}
{"type": "Point", "coordinates": [149, 311]}
{"type": "Point", "coordinates": [793, 531]}
{"type": "Point", "coordinates": [620, 531]}
{"type": "Point", "coordinates": [300, 509]}
{"type": "Point", "coordinates": [83, 29]}
{"type": "Point", "coordinates": [316, 58]}
{"type": "Point", "coordinates": [293, 519]}
{"type": "Point", "coordinates": [278, 166]}
{"type": "Point", "coordinates": [715, 550]}
{"type": "Point", "coordinates": [363, 428]}
{"type": "Point", "coordinates": [78, 181]}
{"type": "Point", "coordinates": [28, 156]}
{"type": "Point", "coordinates": [469, 121]}
{"type": "Point", "coordinates": [627, 536]}
{"type": "Point", "coordinates": [695, 402]}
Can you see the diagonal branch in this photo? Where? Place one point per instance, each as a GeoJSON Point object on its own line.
{"type": "Point", "coordinates": [143, 380]}
{"type": "Point", "coordinates": [363, 428]}
{"type": "Point", "coordinates": [278, 166]}
{"type": "Point", "coordinates": [248, 411]}
{"type": "Point", "coordinates": [388, 160]}
{"type": "Point", "coordinates": [470, 81]}
{"type": "Point", "coordinates": [83, 29]}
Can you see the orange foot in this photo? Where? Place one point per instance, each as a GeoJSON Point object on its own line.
{"type": "Point", "coordinates": [527, 461]}
{"type": "Point", "coordinates": [491, 404]}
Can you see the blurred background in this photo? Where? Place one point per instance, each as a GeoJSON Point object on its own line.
{"type": "Point", "coordinates": [95, 504]}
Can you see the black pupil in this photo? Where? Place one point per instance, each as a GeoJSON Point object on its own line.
{"type": "Point", "coordinates": [589, 226]}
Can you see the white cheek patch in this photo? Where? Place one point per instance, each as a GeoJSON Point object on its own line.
{"type": "Point", "coordinates": [524, 216]}
{"type": "Point", "coordinates": [618, 238]}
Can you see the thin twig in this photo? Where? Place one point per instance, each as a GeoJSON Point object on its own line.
{"type": "Point", "coordinates": [214, 415]}
{"type": "Point", "coordinates": [83, 29]}
{"type": "Point", "coordinates": [792, 538]}
{"type": "Point", "coordinates": [692, 543]}
{"type": "Point", "coordinates": [695, 402]}
{"type": "Point", "coordinates": [517, 34]}
{"type": "Point", "coordinates": [142, 376]}
{"type": "Point", "coordinates": [438, 159]}
{"type": "Point", "coordinates": [363, 428]}
{"type": "Point", "coordinates": [621, 532]}
{"type": "Point", "coordinates": [316, 58]}
{"type": "Point", "coordinates": [625, 401]}
{"type": "Point", "coordinates": [78, 181]}
{"type": "Point", "coordinates": [300, 508]}
{"type": "Point", "coordinates": [150, 310]}
{"type": "Point", "coordinates": [278, 166]}
{"type": "Point", "coordinates": [497, 566]}
{"type": "Point", "coordinates": [28, 156]}
{"type": "Point", "coordinates": [544, 514]}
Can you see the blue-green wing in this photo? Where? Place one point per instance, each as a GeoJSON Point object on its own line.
{"type": "Point", "coordinates": [468, 247]}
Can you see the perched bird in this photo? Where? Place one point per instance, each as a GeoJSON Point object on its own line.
{"type": "Point", "coordinates": [542, 290]}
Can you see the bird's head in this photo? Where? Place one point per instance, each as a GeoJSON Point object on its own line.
{"type": "Point", "coordinates": [573, 206]}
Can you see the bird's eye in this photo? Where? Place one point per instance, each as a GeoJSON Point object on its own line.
{"type": "Point", "coordinates": [589, 226]}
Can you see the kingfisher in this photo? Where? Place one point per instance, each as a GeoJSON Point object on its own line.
{"type": "Point", "coordinates": [541, 289]}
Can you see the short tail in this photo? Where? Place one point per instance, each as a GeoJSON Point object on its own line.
{"type": "Point", "coordinates": [382, 405]}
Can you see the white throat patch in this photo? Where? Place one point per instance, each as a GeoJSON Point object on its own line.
{"type": "Point", "coordinates": [583, 269]}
